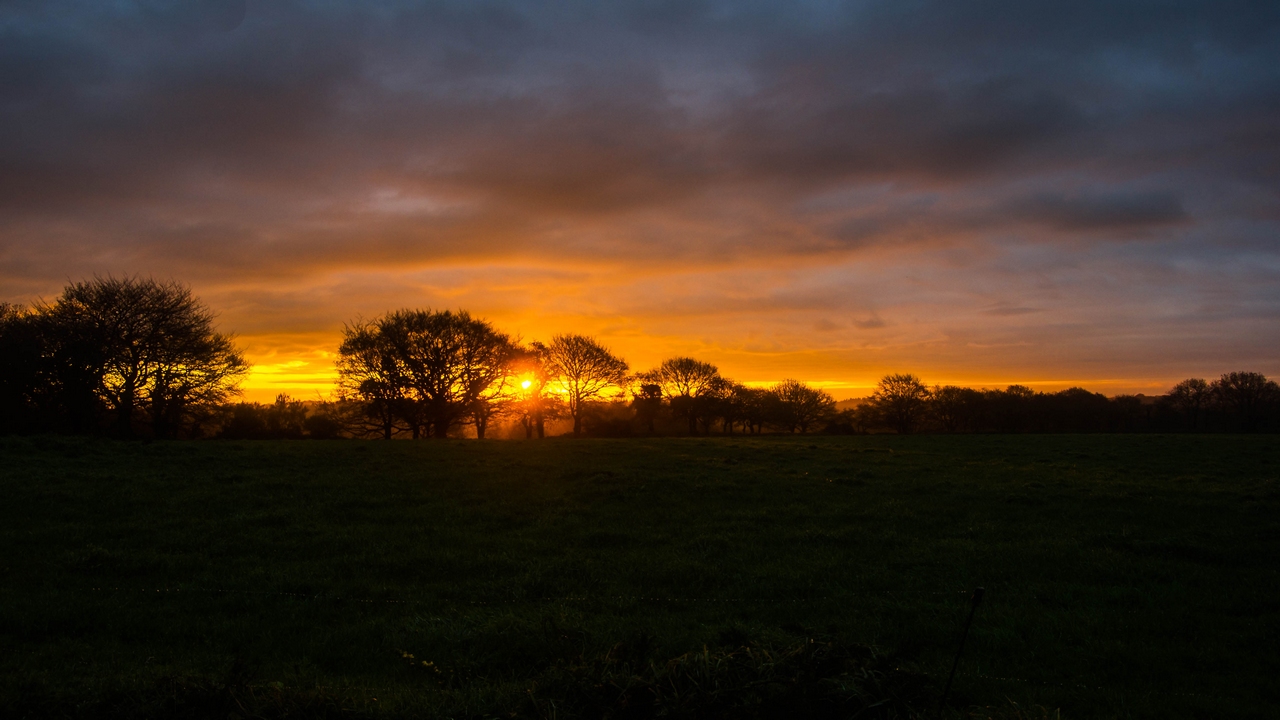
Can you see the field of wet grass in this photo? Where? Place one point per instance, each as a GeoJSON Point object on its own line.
{"type": "Point", "coordinates": [1125, 576]}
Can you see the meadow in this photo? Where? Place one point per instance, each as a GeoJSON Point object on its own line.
{"type": "Point", "coordinates": [1124, 576]}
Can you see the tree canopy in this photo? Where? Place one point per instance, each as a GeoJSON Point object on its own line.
{"type": "Point", "coordinates": [427, 370]}
{"type": "Point", "coordinates": [801, 407]}
{"type": "Point", "coordinates": [584, 368]}
{"type": "Point", "coordinates": [132, 349]}
{"type": "Point", "coordinates": [900, 399]}
{"type": "Point", "coordinates": [687, 384]}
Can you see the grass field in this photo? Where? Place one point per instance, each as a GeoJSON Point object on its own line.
{"type": "Point", "coordinates": [1125, 576]}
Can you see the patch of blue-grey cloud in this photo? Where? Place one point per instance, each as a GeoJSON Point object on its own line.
{"type": "Point", "coordinates": [219, 139]}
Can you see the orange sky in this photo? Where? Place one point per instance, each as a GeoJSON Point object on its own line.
{"type": "Point", "coordinates": [758, 325]}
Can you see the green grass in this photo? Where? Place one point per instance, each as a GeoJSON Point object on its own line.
{"type": "Point", "coordinates": [1126, 576]}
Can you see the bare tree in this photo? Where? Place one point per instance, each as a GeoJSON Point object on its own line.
{"type": "Point", "coordinates": [198, 371]}
{"type": "Point", "coordinates": [685, 381]}
{"type": "Point", "coordinates": [532, 402]}
{"type": "Point", "coordinates": [714, 402]}
{"type": "Point", "coordinates": [753, 403]}
{"type": "Point", "coordinates": [800, 406]}
{"type": "Point", "coordinates": [900, 401]}
{"type": "Point", "coordinates": [489, 361]}
{"type": "Point", "coordinates": [370, 373]}
{"type": "Point", "coordinates": [731, 406]}
{"type": "Point", "coordinates": [585, 369]}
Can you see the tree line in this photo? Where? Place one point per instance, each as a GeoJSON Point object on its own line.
{"type": "Point", "coordinates": [136, 357]}
{"type": "Point", "coordinates": [420, 373]}
{"type": "Point", "coordinates": [1235, 402]}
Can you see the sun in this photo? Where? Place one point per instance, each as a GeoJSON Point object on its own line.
{"type": "Point", "coordinates": [526, 384]}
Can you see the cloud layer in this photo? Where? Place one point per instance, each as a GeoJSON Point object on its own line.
{"type": "Point", "coordinates": [981, 191]}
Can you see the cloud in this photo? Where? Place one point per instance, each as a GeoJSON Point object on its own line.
{"type": "Point", "coordinates": [771, 165]}
{"type": "Point", "coordinates": [1007, 310]}
{"type": "Point", "coordinates": [1099, 212]}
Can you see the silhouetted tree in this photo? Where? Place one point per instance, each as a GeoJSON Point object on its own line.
{"type": "Point", "coordinates": [684, 381]}
{"type": "Point", "coordinates": [646, 401]}
{"type": "Point", "coordinates": [753, 403]}
{"type": "Point", "coordinates": [612, 419]}
{"type": "Point", "coordinates": [197, 373]}
{"type": "Point", "coordinates": [1127, 413]}
{"type": "Point", "coordinates": [244, 421]}
{"type": "Point", "coordinates": [431, 369]}
{"type": "Point", "coordinates": [733, 406]}
{"type": "Point", "coordinates": [585, 369]}
{"type": "Point", "coordinates": [21, 369]}
{"type": "Point", "coordinates": [1010, 410]}
{"type": "Point", "coordinates": [713, 403]}
{"type": "Point", "coordinates": [535, 405]}
{"type": "Point", "coordinates": [1248, 397]}
{"type": "Point", "coordinates": [900, 401]}
{"type": "Point", "coordinates": [48, 375]}
{"type": "Point", "coordinates": [844, 422]}
{"type": "Point", "coordinates": [955, 408]}
{"type": "Point", "coordinates": [866, 417]}
{"type": "Point", "coordinates": [146, 344]}
{"type": "Point", "coordinates": [345, 416]}
{"type": "Point", "coordinates": [800, 406]}
{"type": "Point", "coordinates": [371, 373]}
{"type": "Point", "coordinates": [488, 370]}
{"type": "Point", "coordinates": [1190, 398]}
{"type": "Point", "coordinates": [1078, 410]}
{"type": "Point", "coordinates": [325, 421]}
{"type": "Point", "coordinates": [284, 419]}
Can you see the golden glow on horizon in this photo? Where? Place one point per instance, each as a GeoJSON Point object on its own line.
{"type": "Point", "coordinates": [309, 374]}
{"type": "Point", "coordinates": [759, 326]}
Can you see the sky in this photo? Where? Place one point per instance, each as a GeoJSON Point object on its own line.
{"type": "Point", "coordinates": [981, 193]}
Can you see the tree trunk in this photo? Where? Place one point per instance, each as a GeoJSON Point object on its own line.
{"type": "Point", "coordinates": [577, 425]}
{"type": "Point", "coordinates": [159, 416]}
{"type": "Point", "coordinates": [124, 412]}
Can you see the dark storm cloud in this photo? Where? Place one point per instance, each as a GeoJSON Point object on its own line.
{"type": "Point", "coordinates": [223, 141]}
{"type": "Point", "coordinates": [566, 109]}
{"type": "Point", "coordinates": [1100, 212]}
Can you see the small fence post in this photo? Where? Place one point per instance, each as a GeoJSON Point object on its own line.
{"type": "Point", "coordinates": [977, 598]}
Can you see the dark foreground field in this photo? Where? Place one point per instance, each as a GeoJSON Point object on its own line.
{"type": "Point", "coordinates": [1126, 576]}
